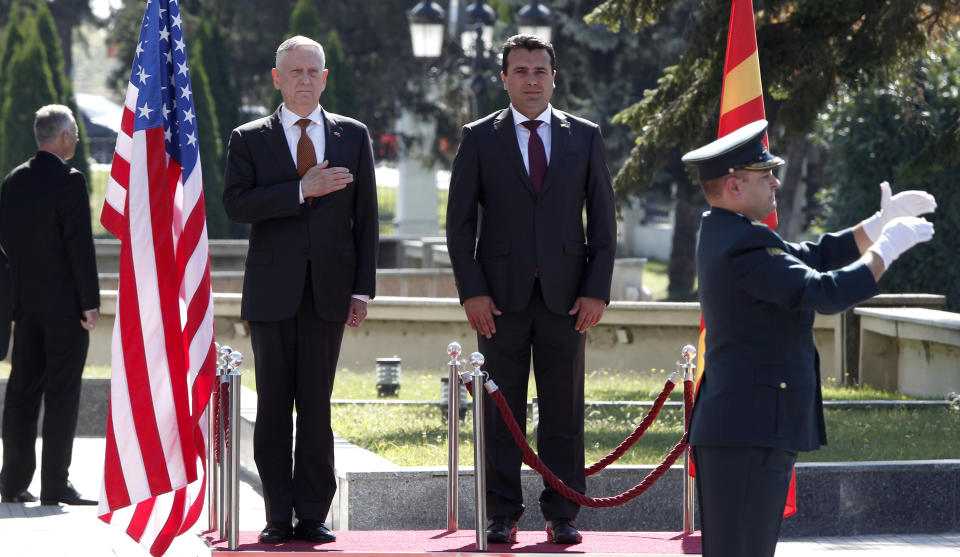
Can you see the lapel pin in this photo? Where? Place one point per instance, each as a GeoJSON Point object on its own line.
{"type": "Point", "coordinates": [336, 134]}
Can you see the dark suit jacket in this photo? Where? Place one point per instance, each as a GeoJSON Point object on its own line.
{"type": "Point", "coordinates": [6, 305]}
{"type": "Point", "coordinates": [339, 231]}
{"type": "Point", "coordinates": [519, 232]}
{"type": "Point", "coordinates": [45, 231]}
{"type": "Point", "coordinates": [758, 294]}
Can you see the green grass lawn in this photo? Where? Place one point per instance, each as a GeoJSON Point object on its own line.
{"type": "Point", "coordinates": [413, 435]}
{"type": "Point", "coordinates": [416, 435]}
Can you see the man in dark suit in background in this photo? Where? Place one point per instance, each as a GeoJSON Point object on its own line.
{"type": "Point", "coordinates": [311, 267]}
{"type": "Point", "coordinates": [45, 232]}
{"type": "Point", "coordinates": [528, 275]}
{"type": "Point", "coordinates": [759, 402]}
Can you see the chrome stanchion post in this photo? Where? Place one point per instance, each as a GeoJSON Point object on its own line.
{"type": "Point", "coordinates": [453, 434]}
{"type": "Point", "coordinates": [233, 453]}
{"type": "Point", "coordinates": [212, 450]}
{"type": "Point", "coordinates": [479, 470]}
{"type": "Point", "coordinates": [224, 356]}
{"type": "Point", "coordinates": [689, 355]}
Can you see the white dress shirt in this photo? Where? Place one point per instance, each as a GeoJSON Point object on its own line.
{"type": "Point", "coordinates": [315, 131]}
{"type": "Point", "coordinates": [523, 134]}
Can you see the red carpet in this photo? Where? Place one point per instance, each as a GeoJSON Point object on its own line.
{"type": "Point", "coordinates": [425, 542]}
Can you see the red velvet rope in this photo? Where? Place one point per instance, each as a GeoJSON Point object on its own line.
{"type": "Point", "coordinates": [215, 408]}
{"type": "Point", "coordinates": [531, 459]}
{"type": "Point", "coordinates": [223, 413]}
{"type": "Point", "coordinates": [637, 433]}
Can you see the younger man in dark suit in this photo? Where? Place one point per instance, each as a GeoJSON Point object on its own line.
{"type": "Point", "coordinates": [311, 268]}
{"type": "Point", "coordinates": [759, 402]}
{"type": "Point", "coordinates": [45, 232]}
{"type": "Point", "coordinates": [529, 276]}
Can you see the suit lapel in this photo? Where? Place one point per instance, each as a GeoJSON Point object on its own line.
{"type": "Point", "coordinates": [503, 129]}
{"type": "Point", "coordinates": [559, 134]}
{"type": "Point", "coordinates": [277, 140]}
{"type": "Point", "coordinates": [333, 134]}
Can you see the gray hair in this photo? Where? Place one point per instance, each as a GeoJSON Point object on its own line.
{"type": "Point", "coordinates": [298, 41]}
{"type": "Point", "coordinates": [51, 121]}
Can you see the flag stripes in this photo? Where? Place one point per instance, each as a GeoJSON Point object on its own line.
{"type": "Point", "coordinates": [163, 361]}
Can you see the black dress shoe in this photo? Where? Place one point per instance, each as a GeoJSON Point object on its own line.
{"type": "Point", "coordinates": [24, 497]}
{"type": "Point", "coordinates": [313, 531]}
{"type": "Point", "coordinates": [68, 496]}
{"type": "Point", "coordinates": [502, 529]}
{"type": "Point", "coordinates": [563, 532]}
{"type": "Point", "coordinates": [276, 531]}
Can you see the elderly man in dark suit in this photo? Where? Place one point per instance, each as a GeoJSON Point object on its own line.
{"type": "Point", "coordinates": [310, 269]}
{"type": "Point", "coordinates": [529, 276]}
{"type": "Point", "coordinates": [45, 232]}
{"type": "Point", "coordinates": [759, 401]}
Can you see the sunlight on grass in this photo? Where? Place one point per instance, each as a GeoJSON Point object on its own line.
{"type": "Point", "coordinates": [416, 435]}
{"type": "Point", "coordinates": [98, 191]}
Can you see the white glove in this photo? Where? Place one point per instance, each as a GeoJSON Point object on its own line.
{"type": "Point", "coordinates": [899, 235]}
{"type": "Point", "coordinates": [910, 203]}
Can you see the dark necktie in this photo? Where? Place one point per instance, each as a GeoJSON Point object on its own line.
{"type": "Point", "coordinates": [306, 155]}
{"type": "Point", "coordinates": [536, 155]}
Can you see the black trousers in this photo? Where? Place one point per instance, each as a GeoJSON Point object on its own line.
{"type": "Point", "coordinates": [558, 368]}
{"type": "Point", "coordinates": [296, 360]}
{"type": "Point", "coordinates": [741, 491]}
{"type": "Point", "coordinates": [47, 364]}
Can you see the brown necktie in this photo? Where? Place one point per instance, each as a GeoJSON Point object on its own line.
{"type": "Point", "coordinates": [306, 155]}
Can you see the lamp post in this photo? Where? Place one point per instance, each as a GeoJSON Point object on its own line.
{"type": "Point", "coordinates": [476, 37]}
{"type": "Point", "coordinates": [535, 19]}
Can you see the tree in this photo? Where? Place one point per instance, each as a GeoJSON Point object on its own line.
{"type": "Point", "coordinates": [211, 50]}
{"type": "Point", "coordinates": [891, 132]}
{"type": "Point", "coordinates": [808, 50]}
{"type": "Point", "coordinates": [61, 83]}
{"type": "Point", "coordinates": [211, 148]}
{"type": "Point", "coordinates": [22, 97]}
{"type": "Point", "coordinates": [12, 39]}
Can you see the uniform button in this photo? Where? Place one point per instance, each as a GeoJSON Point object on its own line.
{"type": "Point", "coordinates": [783, 385]}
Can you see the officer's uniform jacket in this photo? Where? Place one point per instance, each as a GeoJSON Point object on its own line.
{"type": "Point", "coordinates": [758, 294]}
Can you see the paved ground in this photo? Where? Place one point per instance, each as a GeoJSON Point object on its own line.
{"type": "Point", "coordinates": [41, 531]}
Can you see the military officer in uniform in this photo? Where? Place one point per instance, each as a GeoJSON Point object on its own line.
{"type": "Point", "coordinates": [759, 402]}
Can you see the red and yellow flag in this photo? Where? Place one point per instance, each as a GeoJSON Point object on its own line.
{"type": "Point", "coordinates": [741, 103]}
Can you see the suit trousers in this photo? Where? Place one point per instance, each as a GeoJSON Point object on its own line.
{"type": "Point", "coordinates": [47, 364]}
{"type": "Point", "coordinates": [741, 491]}
{"type": "Point", "coordinates": [296, 360]}
{"type": "Point", "coordinates": [558, 368]}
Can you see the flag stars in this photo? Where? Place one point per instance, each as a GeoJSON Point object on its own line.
{"type": "Point", "coordinates": [182, 68]}
{"type": "Point", "coordinates": [164, 35]}
{"type": "Point", "coordinates": [191, 139]}
{"type": "Point", "coordinates": [177, 21]}
{"type": "Point", "coordinates": [140, 48]}
{"type": "Point", "coordinates": [170, 57]}
{"type": "Point", "coordinates": [180, 45]}
{"type": "Point", "coordinates": [143, 75]}
{"type": "Point", "coordinates": [188, 115]}
{"type": "Point", "coordinates": [145, 110]}
{"type": "Point", "coordinates": [185, 93]}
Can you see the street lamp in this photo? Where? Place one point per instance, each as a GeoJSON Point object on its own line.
{"type": "Point", "coordinates": [478, 33]}
{"type": "Point", "coordinates": [426, 29]}
{"type": "Point", "coordinates": [534, 19]}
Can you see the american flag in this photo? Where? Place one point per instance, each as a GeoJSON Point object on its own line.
{"type": "Point", "coordinates": [163, 359]}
